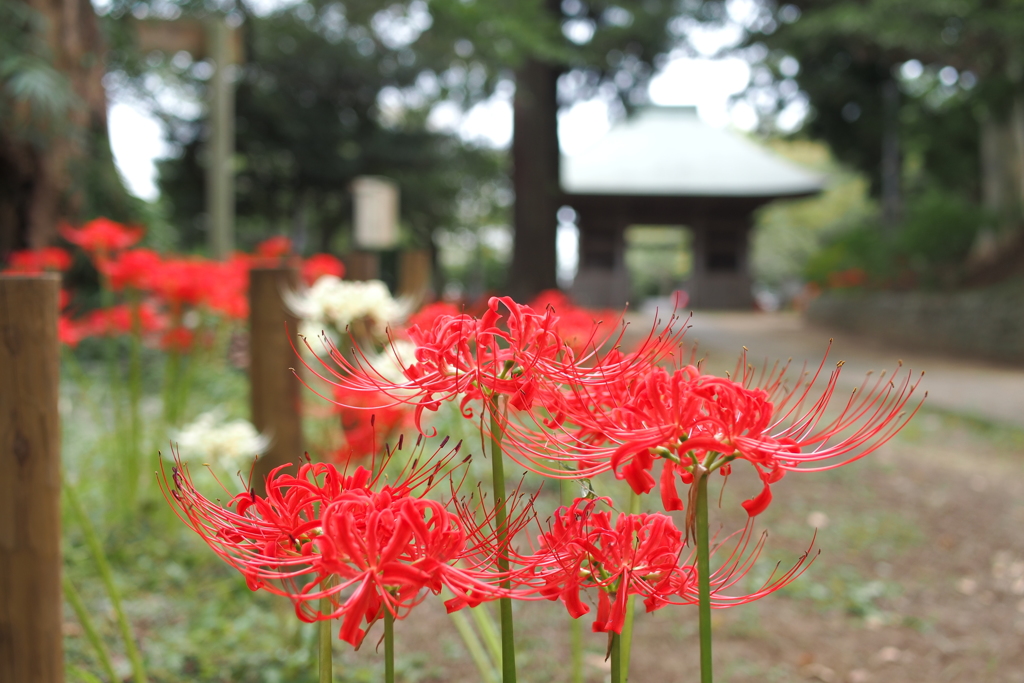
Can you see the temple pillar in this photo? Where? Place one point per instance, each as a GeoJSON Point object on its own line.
{"type": "Point", "coordinates": [721, 263]}
{"type": "Point", "coordinates": [602, 280]}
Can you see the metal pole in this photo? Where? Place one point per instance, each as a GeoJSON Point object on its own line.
{"type": "Point", "coordinates": [31, 601]}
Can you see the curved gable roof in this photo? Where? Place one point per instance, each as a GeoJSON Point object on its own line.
{"type": "Point", "coordinates": [669, 151]}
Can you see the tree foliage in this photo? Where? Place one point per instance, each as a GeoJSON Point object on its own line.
{"type": "Point", "coordinates": [956, 69]}
{"type": "Point", "coordinates": [55, 160]}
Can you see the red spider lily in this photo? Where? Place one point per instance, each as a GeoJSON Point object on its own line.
{"type": "Point", "coordinates": [71, 332]}
{"type": "Point", "coordinates": [102, 236]}
{"type": "Point", "coordinates": [318, 265]}
{"type": "Point", "coordinates": [429, 314]}
{"type": "Point", "coordinates": [133, 269]}
{"type": "Point", "coordinates": [461, 355]}
{"type": "Point", "coordinates": [227, 286]}
{"type": "Point", "coordinates": [274, 247]}
{"type": "Point", "coordinates": [179, 339]}
{"type": "Point", "coordinates": [32, 261]}
{"type": "Point", "coordinates": [640, 555]}
{"type": "Point", "coordinates": [361, 434]}
{"type": "Point", "coordinates": [119, 319]}
{"type": "Point", "coordinates": [576, 326]}
{"type": "Point", "coordinates": [183, 282]}
{"type": "Point", "coordinates": [364, 543]}
{"type": "Point", "coordinates": [696, 423]}
{"type": "Point", "coordinates": [518, 354]}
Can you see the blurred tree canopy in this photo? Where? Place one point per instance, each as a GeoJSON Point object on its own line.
{"type": "Point", "coordinates": [331, 90]}
{"type": "Point", "coordinates": [925, 98]}
{"type": "Point", "coordinates": [55, 160]}
{"type": "Point", "coordinates": [600, 48]}
{"type": "Point", "coordinates": [309, 119]}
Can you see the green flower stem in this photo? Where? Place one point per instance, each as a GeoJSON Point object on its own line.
{"type": "Point", "coordinates": [172, 370]}
{"type": "Point", "coordinates": [183, 385]}
{"type": "Point", "coordinates": [96, 550]}
{"type": "Point", "coordinates": [703, 577]}
{"type": "Point", "coordinates": [627, 627]}
{"type": "Point", "coordinates": [114, 385]}
{"type": "Point", "coordinates": [616, 655]}
{"type": "Point", "coordinates": [91, 634]}
{"type": "Point", "coordinates": [389, 647]}
{"type": "Point", "coordinates": [81, 380]}
{"type": "Point", "coordinates": [575, 625]}
{"type": "Point", "coordinates": [326, 643]}
{"type": "Point", "coordinates": [476, 649]}
{"type": "Point", "coordinates": [508, 642]}
{"type": "Point", "coordinates": [132, 466]}
{"type": "Point", "coordinates": [576, 644]}
{"type": "Point", "coordinates": [82, 675]}
{"type": "Point", "coordinates": [485, 624]}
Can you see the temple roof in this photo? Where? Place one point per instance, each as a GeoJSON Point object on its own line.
{"type": "Point", "coordinates": [670, 151]}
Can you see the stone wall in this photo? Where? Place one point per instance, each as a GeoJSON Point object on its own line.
{"type": "Point", "coordinates": [984, 323]}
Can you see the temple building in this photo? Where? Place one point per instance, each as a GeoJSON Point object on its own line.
{"type": "Point", "coordinates": [665, 167]}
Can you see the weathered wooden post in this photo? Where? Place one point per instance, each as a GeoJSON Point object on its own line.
{"type": "Point", "coordinates": [276, 409]}
{"type": "Point", "coordinates": [31, 647]}
{"type": "Point", "coordinates": [415, 271]}
{"type": "Point", "coordinates": [362, 265]}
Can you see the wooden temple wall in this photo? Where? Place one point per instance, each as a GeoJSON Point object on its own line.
{"type": "Point", "coordinates": [721, 276]}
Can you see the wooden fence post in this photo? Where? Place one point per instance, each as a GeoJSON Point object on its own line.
{"type": "Point", "coordinates": [415, 273]}
{"type": "Point", "coordinates": [362, 265]}
{"type": "Point", "coordinates": [31, 601]}
{"type": "Point", "coordinates": [276, 399]}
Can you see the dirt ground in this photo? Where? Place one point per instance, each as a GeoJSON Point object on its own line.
{"type": "Point", "coordinates": [920, 579]}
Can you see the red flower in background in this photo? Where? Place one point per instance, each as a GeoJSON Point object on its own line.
{"type": "Point", "coordinates": [179, 339]}
{"type": "Point", "coordinates": [274, 247]}
{"type": "Point", "coordinates": [102, 236]}
{"type": "Point", "coordinates": [136, 269]}
{"type": "Point", "coordinates": [366, 434]}
{"type": "Point", "coordinates": [578, 327]}
{"type": "Point", "coordinates": [426, 317]}
{"type": "Point", "coordinates": [70, 331]}
{"type": "Point", "coordinates": [119, 319]}
{"type": "Point", "coordinates": [227, 287]}
{"type": "Point", "coordinates": [318, 265]}
{"type": "Point", "coordinates": [183, 282]}
{"type": "Point", "coordinates": [31, 261]}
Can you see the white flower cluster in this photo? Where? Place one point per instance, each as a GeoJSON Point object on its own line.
{"type": "Point", "coordinates": [337, 303]}
{"type": "Point", "coordinates": [226, 445]}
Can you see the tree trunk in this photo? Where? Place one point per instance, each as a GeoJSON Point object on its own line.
{"type": "Point", "coordinates": [892, 158]}
{"type": "Point", "coordinates": [40, 182]}
{"type": "Point", "coordinates": [535, 159]}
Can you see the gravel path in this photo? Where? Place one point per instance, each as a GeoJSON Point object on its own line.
{"type": "Point", "coordinates": [970, 388]}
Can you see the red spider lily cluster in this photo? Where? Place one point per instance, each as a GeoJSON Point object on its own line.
{"type": "Point", "coordinates": [694, 423]}
{"type": "Point", "coordinates": [516, 353]}
{"type": "Point", "coordinates": [349, 546]}
{"type": "Point", "coordinates": [363, 437]}
{"type": "Point", "coordinates": [639, 555]}
{"type": "Point", "coordinates": [159, 291]}
{"type": "Point", "coordinates": [566, 403]}
{"type": "Point", "coordinates": [367, 545]}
